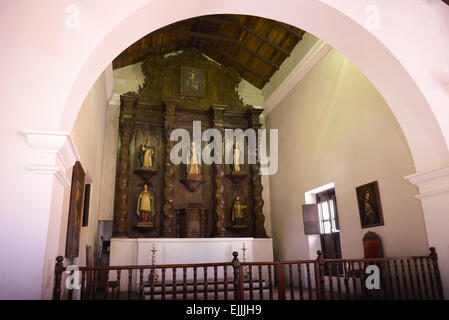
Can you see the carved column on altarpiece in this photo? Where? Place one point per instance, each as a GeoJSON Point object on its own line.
{"type": "Point", "coordinates": [219, 229]}
{"type": "Point", "coordinates": [126, 128]}
{"type": "Point", "coordinates": [254, 122]}
{"type": "Point", "coordinates": [169, 177]}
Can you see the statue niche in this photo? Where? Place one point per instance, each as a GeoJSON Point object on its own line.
{"type": "Point", "coordinates": [146, 155]}
{"type": "Point", "coordinates": [238, 214]}
{"type": "Point", "coordinates": [145, 209]}
{"type": "Point", "coordinates": [194, 177]}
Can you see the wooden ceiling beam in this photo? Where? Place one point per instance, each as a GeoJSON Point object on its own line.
{"type": "Point", "coordinates": [287, 28]}
{"type": "Point", "coordinates": [248, 29]}
{"type": "Point", "coordinates": [149, 50]}
{"type": "Point", "coordinates": [250, 51]}
{"type": "Point", "coordinates": [223, 37]}
{"type": "Point", "coordinates": [231, 58]}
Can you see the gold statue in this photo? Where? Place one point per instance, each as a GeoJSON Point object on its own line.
{"type": "Point", "coordinates": [236, 159]}
{"type": "Point", "coordinates": [193, 166]}
{"type": "Point", "coordinates": [145, 207]}
{"type": "Point", "coordinates": [238, 212]}
{"type": "Point", "coordinates": [147, 152]}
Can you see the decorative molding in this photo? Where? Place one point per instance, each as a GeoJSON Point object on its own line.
{"type": "Point", "coordinates": [43, 169]}
{"type": "Point", "coordinates": [431, 183]}
{"type": "Point", "coordinates": [58, 142]}
{"type": "Point", "coordinates": [115, 99]}
{"type": "Point", "coordinates": [312, 57]}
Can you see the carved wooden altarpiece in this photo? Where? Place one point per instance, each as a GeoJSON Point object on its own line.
{"type": "Point", "coordinates": [163, 104]}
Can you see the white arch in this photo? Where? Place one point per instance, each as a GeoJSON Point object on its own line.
{"type": "Point", "coordinates": [337, 25]}
{"type": "Point", "coordinates": [47, 71]}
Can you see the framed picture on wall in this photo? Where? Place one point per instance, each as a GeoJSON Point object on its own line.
{"type": "Point", "coordinates": [370, 208]}
{"type": "Point", "coordinates": [193, 82]}
{"type": "Point", "coordinates": [75, 211]}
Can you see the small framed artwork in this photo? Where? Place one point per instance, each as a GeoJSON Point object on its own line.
{"type": "Point", "coordinates": [193, 82]}
{"type": "Point", "coordinates": [75, 211]}
{"type": "Point", "coordinates": [370, 208]}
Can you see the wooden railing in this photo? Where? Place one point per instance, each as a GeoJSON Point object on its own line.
{"type": "Point", "coordinates": [321, 279]}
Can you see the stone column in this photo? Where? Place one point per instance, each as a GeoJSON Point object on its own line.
{"type": "Point", "coordinates": [168, 210]}
{"type": "Point", "coordinates": [126, 127]}
{"type": "Point", "coordinates": [218, 123]}
{"type": "Point", "coordinates": [254, 122]}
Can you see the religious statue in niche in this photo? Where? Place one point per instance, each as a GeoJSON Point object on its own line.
{"type": "Point", "coordinates": [146, 155]}
{"type": "Point", "coordinates": [236, 156]}
{"type": "Point", "coordinates": [193, 168]}
{"type": "Point", "coordinates": [145, 208]}
{"type": "Point", "coordinates": [238, 214]}
{"type": "Point", "coordinates": [236, 175]}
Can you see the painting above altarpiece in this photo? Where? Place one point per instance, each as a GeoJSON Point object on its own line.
{"type": "Point", "coordinates": [192, 79]}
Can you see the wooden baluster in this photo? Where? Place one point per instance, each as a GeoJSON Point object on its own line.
{"type": "Point", "coordinates": [70, 291]}
{"type": "Point", "coordinates": [292, 288]}
{"type": "Point", "coordinates": [141, 296]}
{"type": "Point", "coordinates": [59, 268]}
{"type": "Point", "coordinates": [184, 283]}
{"type": "Point", "coordinates": [238, 292]}
{"type": "Point", "coordinates": [347, 288]}
{"type": "Point", "coordinates": [436, 272]}
{"type": "Point", "coordinates": [270, 283]}
{"type": "Point", "coordinates": [281, 282]}
{"type": "Point", "coordinates": [404, 279]}
{"type": "Point", "coordinates": [322, 288]}
{"type": "Point", "coordinates": [260, 282]}
{"type": "Point", "coordinates": [431, 278]}
{"type": "Point", "coordinates": [250, 274]}
{"type": "Point", "coordinates": [106, 285]}
{"type": "Point", "coordinates": [390, 278]}
{"type": "Point", "coordinates": [309, 281]}
{"type": "Point", "coordinates": [215, 283]}
{"type": "Point", "coordinates": [163, 284]}
{"type": "Point", "coordinates": [119, 275]}
{"type": "Point", "coordinates": [425, 292]}
{"type": "Point", "coordinates": [130, 283]}
{"type": "Point", "coordinates": [195, 286]}
{"type": "Point", "coordinates": [225, 284]}
{"type": "Point", "coordinates": [418, 279]}
{"type": "Point", "coordinates": [410, 275]}
{"type": "Point", "coordinates": [301, 294]}
{"type": "Point", "coordinates": [363, 288]}
{"type": "Point", "coordinates": [382, 280]}
{"type": "Point", "coordinates": [354, 284]}
{"type": "Point", "coordinates": [329, 278]}
{"type": "Point", "coordinates": [339, 281]}
{"type": "Point", "coordinates": [96, 273]}
{"type": "Point", "coordinates": [152, 282]}
{"type": "Point", "coordinates": [83, 286]}
{"type": "Point", "coordinates": [397, 277]}
{"type": "Point", "coordinates": [174, 288]}
{"type": "Point", "coordinates": [205, 282]}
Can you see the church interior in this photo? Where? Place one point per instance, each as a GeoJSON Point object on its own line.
{"type": "Point", "coordinates": [229, 156]}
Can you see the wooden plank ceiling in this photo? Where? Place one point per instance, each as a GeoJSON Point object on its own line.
{"type": "Point", "coordinates": [255, 46]}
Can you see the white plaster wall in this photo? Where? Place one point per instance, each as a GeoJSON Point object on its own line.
{"type": "Point", "coordinates": [109, 166]}
{"type": "Point", "coordinates": [290, 63]}
{"type": "Point", "coordinates": [335, 127]}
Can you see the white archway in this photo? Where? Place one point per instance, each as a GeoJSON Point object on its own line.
{"type": "Point", "coordinates": [48, 70]}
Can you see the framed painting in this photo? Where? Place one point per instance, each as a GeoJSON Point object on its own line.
{"type": "Point", "coordinates": [193, 82]}
{"type": "Point", "coordinates": [370, 208]}
{"type": "Point", "coordinates": [75, 211]}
